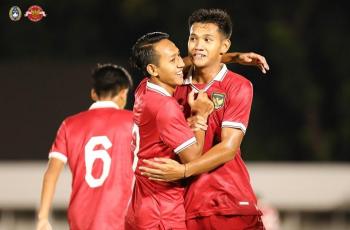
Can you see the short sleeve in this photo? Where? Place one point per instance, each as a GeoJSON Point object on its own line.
{"type": "Point", "coordinates": [173, 128]}
{"type": "Point", "coordinates": [238, 107]}
{"type": "Point", "coordinates": [59, 147]}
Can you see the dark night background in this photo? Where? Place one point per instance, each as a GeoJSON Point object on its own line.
{"type": "Point", "coordinates": [301, 109]}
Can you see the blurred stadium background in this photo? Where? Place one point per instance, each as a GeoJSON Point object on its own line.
{"type": "Point", "coordinates": [298, 142]}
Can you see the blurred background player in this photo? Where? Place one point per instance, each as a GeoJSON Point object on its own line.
{"type": "Point", "coordinates": [222, 196]}
{"type": "Point", "coordinates": [163, 132]}
{"type": "Point", "coordinates": [96, 145]}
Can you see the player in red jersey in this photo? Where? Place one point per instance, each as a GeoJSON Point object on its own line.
{"type": "Point", "coordinates": [221, 196]}
{"type": "Point", "coordinates": [163, 132]}
{"type": "Point", "coordinates": [96, 145]}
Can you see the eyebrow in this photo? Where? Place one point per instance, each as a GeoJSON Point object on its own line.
{"type": "Point", "coordinates": [208, 35]}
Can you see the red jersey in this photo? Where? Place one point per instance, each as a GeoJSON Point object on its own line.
{"type": "Point", "coordinates": [96, 144]}
{"type": "Point", "coordinates": [163, 132]}
{"type": "Point", "coordinates": [225, 190]}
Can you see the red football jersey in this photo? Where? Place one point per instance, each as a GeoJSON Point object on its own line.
{"type": "Point", "coordinates": [163, 132]}
{"type": "Point", "coordinates": [96, 144]}
{"type": "Point", "coordinates": [225, 190]}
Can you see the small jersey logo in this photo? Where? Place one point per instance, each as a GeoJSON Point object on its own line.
{"type": "Point", "coordinates": [15, 13]}
{"type": "Point", "coordinates": [35, 13]}
{"type": "Point", "coordinates": [218, 100]}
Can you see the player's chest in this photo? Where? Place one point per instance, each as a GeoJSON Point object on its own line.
{"type": "Point", "coordinates": [219, 97]}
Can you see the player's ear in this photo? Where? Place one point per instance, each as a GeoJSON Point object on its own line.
{"type": "Point", "coordinates": [124, 94]}
{"type": "Point", "coordinates": [121, 98]}
{"type": "Point", "coordinates": [93, 95]}
{"type": "Point", "coordinates": [225, 46]}
{"type": "Point", "coordinates": [152, 70]}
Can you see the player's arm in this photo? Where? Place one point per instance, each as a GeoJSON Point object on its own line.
{"type": "Point", "coordinates": [202, 106]}
{"type": "Point", "coordinates": [249, 58]}
{"type": "Point", "coordinates": [171, 170]}
{"type": "Point", "coordinates": [218, 155]}
{"type": "Point", "coordinates": [163, 169]}
{"type": "Point", "coordinates": [51, 175]}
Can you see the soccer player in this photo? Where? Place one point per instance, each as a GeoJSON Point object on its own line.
{"type": "Point", "coordinates": [96, 145]}
{"type": "Point", "coordinates": [220, 196]}
{"type": "Point", "coordinates": [163, 132]}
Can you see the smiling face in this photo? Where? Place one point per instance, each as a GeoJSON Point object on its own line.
{"type": "Point", "coordinates": [169, 66]}
{"type": "Point", "coordinates": [206, 44]}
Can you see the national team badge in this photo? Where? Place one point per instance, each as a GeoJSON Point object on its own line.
{"type": "Point", "coordinates": [15, 13]}
{"type": "Point", "coordinates": [218, 100]}
{"type": "Point", "coordinates": [35, 13]}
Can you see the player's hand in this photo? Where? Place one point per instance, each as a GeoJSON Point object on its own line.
{"type": "Point", "coordinates": [163, 169]}
{"type": "Point", "coordinates": [43, 224]}
{"type": "Point", "coordinates": [197, 123]}
{"type": "Point", "coordinates": [253, 59]}
{"type": "Point", "coordinates": [202, 105]}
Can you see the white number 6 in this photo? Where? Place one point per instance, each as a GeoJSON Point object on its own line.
{"type": "Point", "coordinates": [91, 155]}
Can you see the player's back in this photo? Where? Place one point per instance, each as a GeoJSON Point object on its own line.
{"type": "Point", "coordinates": [97, 145]}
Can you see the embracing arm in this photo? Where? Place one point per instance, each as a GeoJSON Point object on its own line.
{"type": "Point", "coordinates": [170, 170]}
{"type": "Point", "coordinates": [249, 58]}
{"type": "Point", "coordinates": [217, 155]}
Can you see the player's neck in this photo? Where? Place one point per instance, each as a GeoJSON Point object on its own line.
{"type": "Point", "coordinates": [167, 87]}
{"type": "Point", "coordinates": [205, 74]}
{"type": "Point", "coordinates": [117, 99]}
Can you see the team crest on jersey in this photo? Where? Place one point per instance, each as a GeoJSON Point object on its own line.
{"type": "Point", "coordinates": [15, 13]}
{"type": "Point", "coordinates": [218, 100]}
{"type": "Point", "coordinates": [35, 13]}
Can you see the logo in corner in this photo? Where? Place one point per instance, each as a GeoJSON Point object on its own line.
{"type": "Point", "coordinates": [15, 13]}
{"type": "Point", "coordinates": [35, 13]}
{"type": "Point", "coordinates": [218, 100]}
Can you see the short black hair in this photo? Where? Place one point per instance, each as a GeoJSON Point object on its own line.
{"type": "Point", "coordinates": [109, 80]}
{"type": "Point", "coordinates": [217, 16]}
{"type": "Point", "coordinates": [143, 52]}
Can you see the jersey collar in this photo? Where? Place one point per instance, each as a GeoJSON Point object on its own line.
{"type": "Point", "coordinates": [157, 89]}
{"type": "Point", "coordinates": [219, 77]}
{"type": "Point", "coordinates": [104, 104]}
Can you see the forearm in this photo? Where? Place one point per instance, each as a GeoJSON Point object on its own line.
{"type": "Point", "coordinates": [215, 157]}
{"type": "Point", "coordinates": [52, 173]}
{"type": "Point", "coordinates": [47, 193]}
{"type": "Point", "coordinates": [230, 57]}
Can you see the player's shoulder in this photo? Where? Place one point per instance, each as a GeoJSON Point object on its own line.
{"type": "Point", "coordinates": [88, 115]}
{"type": "Point", "coordinates": [123, 114]}
{"type": "Point", "coordinates": [236, 78]}
{"type": "Point", "coordinates": [156, 99]}
{"type": "Point", "coordinates": [234, 82]}
{"type": "Point", "coordinates": [142, 85]}
{"type": "Point", "coordinates": [73, 118]}
{"type": "Point", "coordinates": [169, 107]}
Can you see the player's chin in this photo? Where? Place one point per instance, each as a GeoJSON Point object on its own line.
{"type": "Point", "coordinates": [179, 81]}
{"type": "Point", "coordinates": [179, 78]}
{"type": "Point", "coordinates": [199, 63]}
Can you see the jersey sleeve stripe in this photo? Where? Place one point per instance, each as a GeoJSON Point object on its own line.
{"type": "Point", "coordinates": [185, 145]}
{"type": "Point", "coordinates": [236, 125]}
{"type": "Point", "coordinates": [59, 156]}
